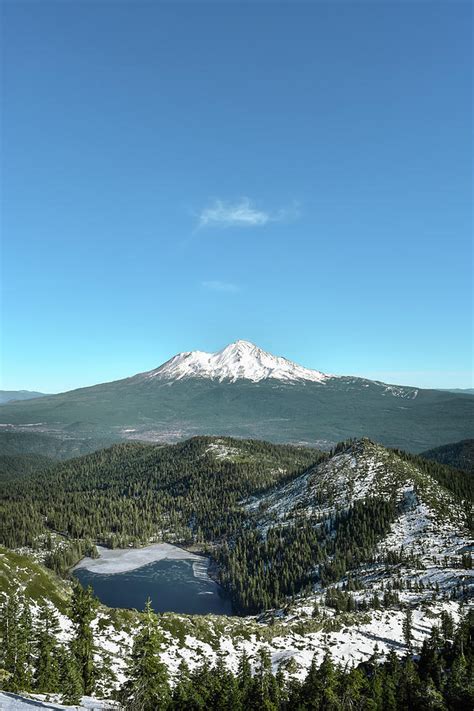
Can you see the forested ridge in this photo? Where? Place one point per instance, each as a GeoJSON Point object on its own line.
{"type": "Point", "coordinates": [13, 466]}
{"type": "Point", "coordinates": [457, 480]}
{"type": "Point", "coordinates": [440, 677]}
{"type": "Point", "coordinates": [136, 492]}
{"type": "Point", "coordinates": [192, 493]}
{"type": "Point", "coordinates": [456, 454]}
{"type": "Point", "coordinates": [259, 571]}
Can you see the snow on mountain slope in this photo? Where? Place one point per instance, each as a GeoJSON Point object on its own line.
{"type": "Point", "coordinates": [238, 361]}
{"type": "Point", "coordinates": [243, 360]}
{"type": "Point", "coordinates": [429, 523]}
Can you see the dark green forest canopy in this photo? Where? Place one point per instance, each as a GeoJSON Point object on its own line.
{"type": "Point", "coordinates": [268, 410]}
{"type": "Point", "coordinates": [22, 465]}
{"type": "Point", "coordinates": [456, 454]}
{"type": "Point", "coordinates": [459, 482]}
{"type": "Point", "coordinates": [135, 491]}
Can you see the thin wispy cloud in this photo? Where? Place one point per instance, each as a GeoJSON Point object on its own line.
{"type": "Point", "coordinates": [217, 285]}
{"type": "Point", "coordinates": [242, 213]}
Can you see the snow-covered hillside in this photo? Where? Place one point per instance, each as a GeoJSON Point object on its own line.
{"type": "Point", "coordinates": [429, 526]}
{"type": "Point", "coordinates": [241, 360]}
{"type": "Point", "coordinates": [363, 469]}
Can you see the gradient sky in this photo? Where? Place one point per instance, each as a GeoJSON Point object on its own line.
{"type": "Point", "coordinates": [180, 175]}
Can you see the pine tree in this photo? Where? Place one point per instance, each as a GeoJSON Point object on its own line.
{"type": "Point", "coordinates": [9, 630]}
{"type": "Point", "coordinates": [310, 692]}
{"type": "Point", "coordinates": [47, 666]}
{"type": "Point", "coordinates": [147, 687]}
{"type": "Point", "coordinates": [353, 684]}
{"type": "Point", "coordinates": [328, 683]}
{"type": "Point", "coordinates": [25, 649]}
{"type": "Point", "coordinates": [408, 629]}
{"type": "Point", "coordinates": [183, 690]}
{"type": "Point", "coordinates": [244, 676]}
{"type": "Point", "coordinates": [264, 691]}
{"type": "Point", "coordinates": [17, 651]}
{"type": "Point", "coordinates": [226, 696]}
{"type": "Point", "coordinates": [71, 682]}
{"type": "Point", "coordinates": [83, 609]}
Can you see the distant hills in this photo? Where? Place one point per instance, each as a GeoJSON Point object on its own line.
{"type": "Point", "coordinates": [457, 454]}
{"type": "Point", "coordinates": [244, 391]}
{"type": "Point", "coordinates": [11, 395]}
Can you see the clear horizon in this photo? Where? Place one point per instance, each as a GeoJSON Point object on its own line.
{"type": "Point", "coordinates": [297, 175]}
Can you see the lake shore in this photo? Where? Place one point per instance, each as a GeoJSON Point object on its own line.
{"type": "Point", "coordinates": [124, 560]}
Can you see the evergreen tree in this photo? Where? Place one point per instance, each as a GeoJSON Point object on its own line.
{"type": "Point", "coordinates": [182, 696]}
{"type": "Point", "coordinates": [17, 644]}
{"type": "Point", "coordinates": [327, 676]}
{"type": "Point", "coordinates": [83, 611]}
{"type": "Point", "coordinates": [309, 694]}
{"type": "Point", "coordinates": [147, 686]}
{"type": "Point", "coordinates": [9, 631]}
{"type": "Point", "coordinates": [244, 676]}
{"type": "Point", "coordinates": [47, 664]}
{"type": "Point", "coordinates": [24, 670]}
{"type": "Point", "coordinates": [407, 627]}
{"type": "Point", "coordinates": [71, 682]}
{"type": "Point", "coordinates": [264, 689]}
{"type": "Point", "coordinates": [226, 696]}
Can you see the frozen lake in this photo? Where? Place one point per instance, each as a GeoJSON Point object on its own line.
{"type": "Point", "coordinates": [174, 579]}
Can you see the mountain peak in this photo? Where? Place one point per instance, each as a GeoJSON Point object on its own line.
{"type": "Point", "coordinates": [239, 347]}
{"type": "Point", "coordinates": [240, 360]}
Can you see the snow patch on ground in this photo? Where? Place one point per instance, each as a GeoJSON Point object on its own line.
{"type": "Point", "coordinates": [16, 702]}
{"type": "Point", "coordinates": [222, 451]}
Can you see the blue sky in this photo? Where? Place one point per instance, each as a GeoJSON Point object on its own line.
{"type": "Point", "coordinates": [177, 176]}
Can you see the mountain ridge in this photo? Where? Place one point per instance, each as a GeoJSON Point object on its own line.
{"type": "Point", "coordinates": [14, 395]}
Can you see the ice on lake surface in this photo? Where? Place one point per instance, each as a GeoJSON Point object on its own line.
{"type": "Point", "coordinates": [174, 579]}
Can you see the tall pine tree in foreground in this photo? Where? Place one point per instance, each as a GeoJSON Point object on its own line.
{"type": "Point", "coordinates": [47, 662]}
{"type": "Point", "coordinates": [147, 688]}
{"type": "Point", "coordinates": [16, 654]}
{"type": "Point", "coordinates": [71, 683]}
{"type": "Point", "coordinates": [83, 610]}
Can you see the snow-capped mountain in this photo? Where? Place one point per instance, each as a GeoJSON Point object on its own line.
{"type": "Point", "coordinates": [240, 360]}
{"type": "Point", "coordinates": [241, 391]}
